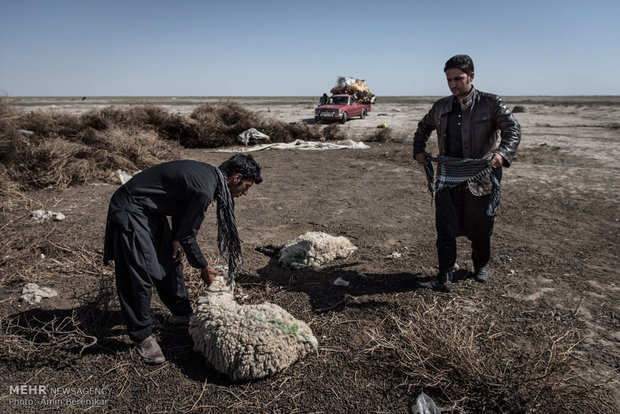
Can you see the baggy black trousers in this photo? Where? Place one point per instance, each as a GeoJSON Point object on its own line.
{"type": "Point", "coordinates": [141, 247]}
{"type": "Point", "coordinates": [460, 213]}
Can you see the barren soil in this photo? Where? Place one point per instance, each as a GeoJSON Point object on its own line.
{"type": "Point", "coordinates": [554, 268]}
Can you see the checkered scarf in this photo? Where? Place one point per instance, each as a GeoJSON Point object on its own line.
{"type": "Point", "coordinates": [453, 171]}
{"type": "Point", "coordinates": [227, 236]}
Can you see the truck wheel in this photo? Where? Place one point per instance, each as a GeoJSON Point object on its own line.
{"type": "Point", "coordinates": [344, 118]}
{"type": "Point", "coordinates": [363, 114]}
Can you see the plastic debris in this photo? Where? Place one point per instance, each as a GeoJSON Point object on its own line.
{"type": "Point", "coordinates": [252, 134]}
{"type": "Point", "coordinates": [124, 176]}
{"type": "Point", "coordinates": [43, 215]}
{"type": "Point", "coordinates": [341, 282]}
{"type": "Point", "coordinates": [425, 405]}
{"type": "Point", "coordinates": [33, 294]}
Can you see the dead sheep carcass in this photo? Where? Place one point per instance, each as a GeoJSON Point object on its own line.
{"type": "Point", "coordinates": [247, 342]}
{"type": "Point", "coordinates": [315, 249]}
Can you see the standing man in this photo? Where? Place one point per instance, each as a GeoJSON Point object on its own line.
{"type": "Point", "coordinates": [467, 125]}
{"type": "Point", "coordinates": [147, 252]}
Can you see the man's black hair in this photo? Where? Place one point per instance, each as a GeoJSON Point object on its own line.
{"type": "Point", "coordinates": [243, 164]}
{"type": "Point", "coordinates": [462, 62]}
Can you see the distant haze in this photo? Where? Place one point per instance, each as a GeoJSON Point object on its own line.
{"type": "Point", "coordinates": [290, 48]}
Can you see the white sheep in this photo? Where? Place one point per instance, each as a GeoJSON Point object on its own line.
{"type": "Point", "coordinates": [315, 249]}
{"type": "Point", "coordinates": [247, 341]}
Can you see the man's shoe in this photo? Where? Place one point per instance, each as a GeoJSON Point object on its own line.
{"type": "Point", "coordinates": [481, 275]}
{"type": "Point", "coordinates": [150, 352]}
{"type": "Point", "coordinates": [179, 320]}
{"type": "Point", "coordinates": [443, 282]}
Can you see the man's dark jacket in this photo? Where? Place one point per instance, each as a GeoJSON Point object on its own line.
{"type": "Point", "coordinates": [181, 189]}
{"type": "Point", "coordinates": [482, 122]}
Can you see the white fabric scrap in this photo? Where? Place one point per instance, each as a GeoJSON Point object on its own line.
{"type": "Point", "coordinates": [124, 176]}
{"type": "Point", "coordinates": [252, 134]}
{"type": "Point", "coordinates": [42, 215]}
{"type": "Point", "coordinates": [341, 282]}
{"type": "Point", "coordinates": [33, 294]}
{"type": "Point", "coordinates": [300, 145]}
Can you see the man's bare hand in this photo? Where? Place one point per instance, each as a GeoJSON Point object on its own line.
{"type": "Point", "coordinates": [420, 157]}
{"type": "Point", "coordinates": [208, 274]}
{"type": "Point", "coordinates": [177, 252]}
{"type": "Point", "coordinates": [496, 161]}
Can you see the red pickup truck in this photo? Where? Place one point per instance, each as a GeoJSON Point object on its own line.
{"type": "Point", "coordinates": [341, 108]}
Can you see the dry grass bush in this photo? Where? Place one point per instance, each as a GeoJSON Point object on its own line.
{"type": "Point", "coordinates": [191, 133]}
{"type": "Point", "coordinates": [58, 150]}
{"type": "Point", "coordinates": [380, 135]}
{"type": "Point", "coordinates": [127, 149]}
{"type": "Point", "coordinates": [54, 162]}
{"type": "Point", "coordinates": [464, 360]}
{"type": "Point", "coordinates": [50, 125]}
{"type": "Point", "coordinates": [62, 150]}
{"type": "Point", "coordinates": [143, 117]}
{"type": "Point", "coordinates": [333, 132]}
{"type": "Point", "coordinates": [283, 132]}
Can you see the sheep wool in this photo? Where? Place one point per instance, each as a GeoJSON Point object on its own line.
{"type": "Point", "coordinates": [247, 342]}
{"type": "Point", "coordinates": [315, 249]}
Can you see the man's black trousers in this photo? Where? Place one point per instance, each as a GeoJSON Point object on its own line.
{"type": "Point", "coordinates": [460, 213]}
{"type": "Point", "coordinates": [134, 281]}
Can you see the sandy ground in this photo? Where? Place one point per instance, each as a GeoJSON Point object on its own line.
{"type": "Point", "coordinates": [554, 266]}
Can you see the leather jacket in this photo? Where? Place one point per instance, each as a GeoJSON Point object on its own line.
{"type": "Point", "coordinates": [483, 123]}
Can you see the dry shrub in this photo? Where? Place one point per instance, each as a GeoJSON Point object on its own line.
{"type": "Point", "coordinates": [333, 132]}
{"type": "Point", "coordinates": [50, 125]}
{"type": "Point", "coordinates": [216, 126]}
{"type": "Point", "coordinates": [209, 126]}
{"type": "Point", "coordinates": [8, 133]}
{"type": "Point", "coordinates": [59, 150]}
{"type": "Point", "coordinates": [49, 163]}
{"type": "Point", "coordinates": [282, 132]}
{"type": "Point", "coordinates": [146, 116]}
{"type": "Point", "coordinates": [461, 359]}
{"type": "Point", "coordinates": [126, 149]}
{"type": "Point", "coordinates": [58, 163]}
{"type": "Point", "coordinates": [231, 114]}
{"type": "Point", "coordinates": [192, 134]}
{"type": "Point", "coordinates": [380, 135]}
{"type": "Point", "coordinates": [231, 119]}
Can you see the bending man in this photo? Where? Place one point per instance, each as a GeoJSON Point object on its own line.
{"type": "Point", "coordinates": [147, 252]}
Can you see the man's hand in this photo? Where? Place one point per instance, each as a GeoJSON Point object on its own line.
{"type": "Point", "coordinates": [496, 161]}
{"type": "Point", "coordinates": [420, 157]}
{"type": "Point", "coordinates": [177, 252]}
{"type": "Point", "coordinates": [208, 274]}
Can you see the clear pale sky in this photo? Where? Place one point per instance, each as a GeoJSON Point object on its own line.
{"type": "Point", "coordinates": [299, 48]}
